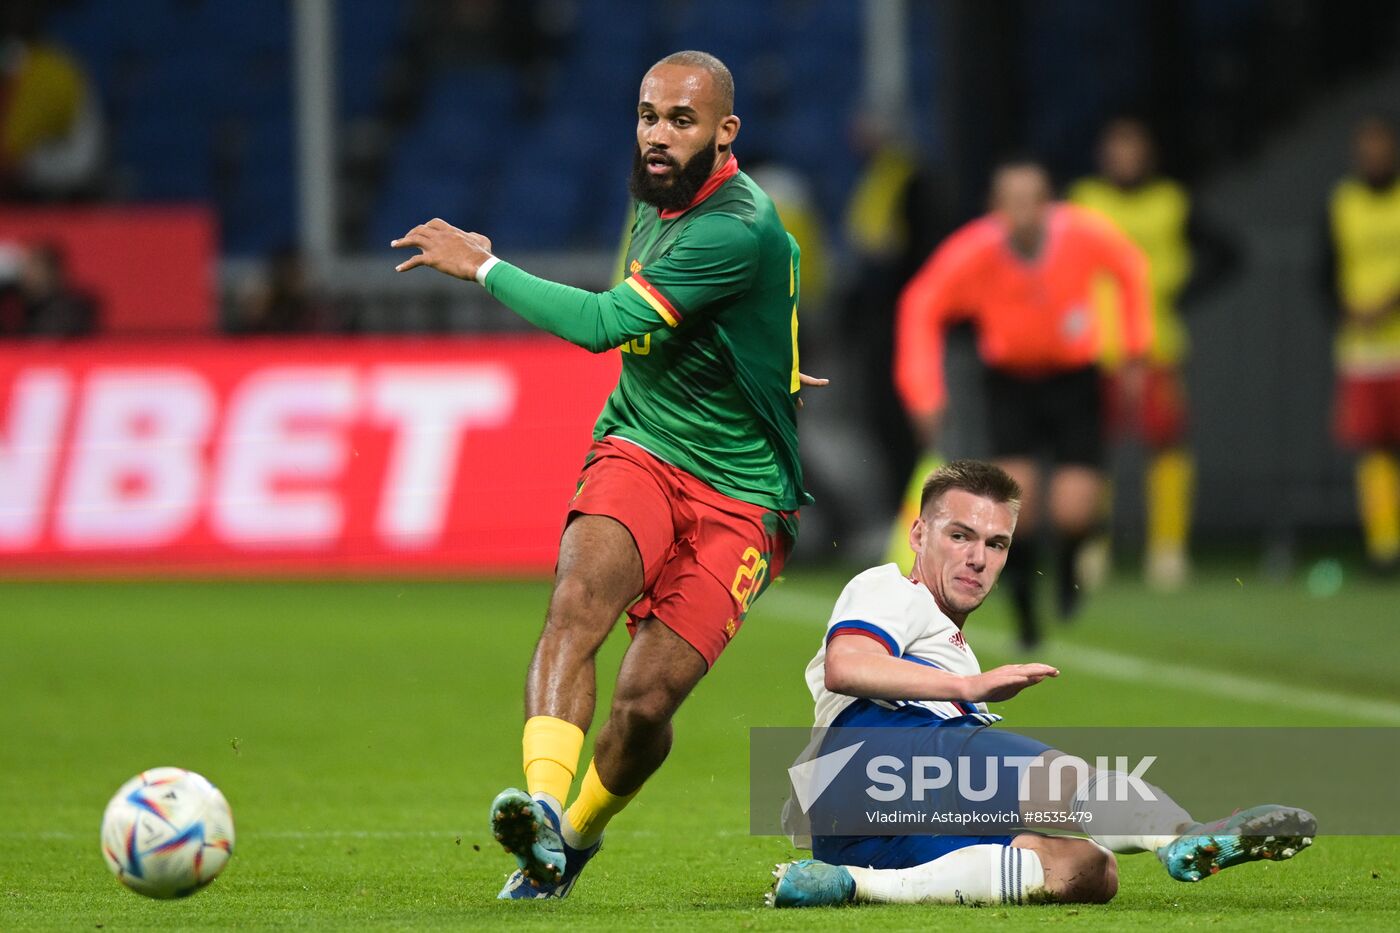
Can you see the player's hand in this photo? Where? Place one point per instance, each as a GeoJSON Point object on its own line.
{"type": "Point", "coordinates": [1003, 683]}
{"type": "Point", "coordinates": [444, 248]}
{"type": "Point", "coordinates": [815, 382]}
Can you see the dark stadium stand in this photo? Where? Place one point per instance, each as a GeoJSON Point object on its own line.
{"type": "Point", "coordinates": [523, 131]}
{"type": "Point", "coordinates": [198, 106]}
{"type": "Point", "coordinates": [203, 124]}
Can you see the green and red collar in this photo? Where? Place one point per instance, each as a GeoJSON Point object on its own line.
{"type": "Point", "coordinates": [718, 177]}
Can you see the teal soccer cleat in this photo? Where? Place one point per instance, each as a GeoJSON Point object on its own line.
{"type": "Point", "coordinates": [523, 826]}
{"type": "Point", "coordinates": [1264, 832]}
{"type": "Point", "coordinates": [810, 883]}
{"type": "Point", "coordinates": [519, 888]}
{"type": "Point", "coordinates": [529, 830]}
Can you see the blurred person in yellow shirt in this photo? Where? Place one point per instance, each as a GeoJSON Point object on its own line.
{"type": "Point", "coordinates": [797, 205]}
{"type": "Point", "coordinates": [1184, 255]}
{"type": "Point", "coordinates": [51, 132]}
{"type": "Point", "coordinates": [1364, 222]}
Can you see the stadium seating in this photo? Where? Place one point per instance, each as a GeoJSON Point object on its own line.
{"type": "Point", "coordinates": [199, 99]}
{"type": "Point", "coordinates": [199, 104]}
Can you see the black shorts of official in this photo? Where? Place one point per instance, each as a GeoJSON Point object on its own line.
{"type": "Point", "coordinates": [1059, 414]}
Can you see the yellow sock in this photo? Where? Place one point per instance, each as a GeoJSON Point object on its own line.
{"type": "Point", "coordinates": [592, 809]}
{"type": "Point", "coordinates": [551, 747]}
{"type": "Point", "coordinates": [1378, 494]}
{"type": "Point", "coordinates": [1170, 478]}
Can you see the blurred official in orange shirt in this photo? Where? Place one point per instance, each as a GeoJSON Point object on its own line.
{"type": "Point", "coordinates": [1024, 275]}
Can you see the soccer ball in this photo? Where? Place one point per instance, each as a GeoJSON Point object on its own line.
{"type": "Point", "coordinates": [167, 833]}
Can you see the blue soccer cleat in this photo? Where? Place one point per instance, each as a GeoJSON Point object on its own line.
{"type": "Point", "coordinates": [518, 887]}
{"type": "Point", "coordinates": [810, 883]}
{"type": "Point", "coordinates": [529, 829]}
{"type": "Point", "coordinates": [1264, 832]}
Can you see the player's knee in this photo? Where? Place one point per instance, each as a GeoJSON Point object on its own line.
{"type": "Point", "coordinates": [1093, 877]}
{"type": "Point", "coordinates": [1074, 510]}
{"type": "Point", "coordinates": [577, 600]}
{"type": "Point", "coordinates": [1076, 499]}
{"type": "Point", "coordinates": [1098, 873]}
{"type": "Point", "coordinates": [1078, 871]}
{"type": "Point", "coordinates": [1108, 886]}
{"type": "Point", "coordinates": [1076, 522]}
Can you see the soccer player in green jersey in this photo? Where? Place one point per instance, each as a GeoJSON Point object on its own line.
{"type": "Point", "coordinates": [687, 504]}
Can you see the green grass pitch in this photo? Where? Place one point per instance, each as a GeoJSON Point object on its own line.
{"type": "Point", "coordinates": [359, 730]}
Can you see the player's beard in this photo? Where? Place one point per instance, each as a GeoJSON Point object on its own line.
{"type": "Point", "coordinates": [675, 191]}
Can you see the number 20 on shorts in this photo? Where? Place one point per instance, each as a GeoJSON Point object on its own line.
{"type": "Point", "coordinates": [749, 578]}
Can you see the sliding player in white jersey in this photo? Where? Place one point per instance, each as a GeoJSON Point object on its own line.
{"type": "Point", "coordinates": [863, 678]}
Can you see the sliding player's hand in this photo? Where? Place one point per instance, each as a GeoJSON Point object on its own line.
{"type": "Point", "coordinates": [1003, 683]}
{"type": "Point", "coordinates": [444, 248]}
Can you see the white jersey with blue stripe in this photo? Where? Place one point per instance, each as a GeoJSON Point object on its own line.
{"type": "Point", "coordinates": [903, 616]}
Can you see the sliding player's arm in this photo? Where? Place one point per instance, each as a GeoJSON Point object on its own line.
{"type": "Point", "coordinates": [862, 667]}
{"type": "Point", "coordinates": [712, 260]}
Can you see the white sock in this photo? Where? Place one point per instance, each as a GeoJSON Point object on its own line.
{"type": "Point", "coordinates": [981, 874]}
{"type": "Point", "coordinates": [549, 801]}
{"type": "Point", "coordinates": [573, 837]}
{"type": "Point", "coordinates": [1158, 821]}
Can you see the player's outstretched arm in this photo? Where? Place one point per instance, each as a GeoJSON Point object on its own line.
{"type": "Point", "coordinates": [574, 314]}
{"type": "Point", "coordinates": [713, 259]}
{"type": "Point", "coordinates": [861, 667]}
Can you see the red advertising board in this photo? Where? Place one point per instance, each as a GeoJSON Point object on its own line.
{"type": "Point", "coordinates": [150, 269]}
{"type": "Point", "coordinates": [301, 456]}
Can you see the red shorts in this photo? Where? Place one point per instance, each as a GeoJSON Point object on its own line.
{"type": "Point", "coordinates": [1160, 420]}
{"type": "Point", "coordinates": [706, 557]}
{"type": "Point", "coordinates": [1368, 411]}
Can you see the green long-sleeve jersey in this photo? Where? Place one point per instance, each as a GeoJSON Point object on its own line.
{"type": "Point", "coordinates": [706, 320]}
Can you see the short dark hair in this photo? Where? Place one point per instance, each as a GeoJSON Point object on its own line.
{"type": "Point", "coordinates": [975, 476]}
{"type": "Point", "coordinates": [1131, 123]}
{"type": "Point", "coordinates": [1017, 161]}
{"type": "Point", "coordinates": [724, 81]}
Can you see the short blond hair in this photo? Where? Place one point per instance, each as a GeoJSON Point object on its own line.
{"type": "Point", "coordinates": [975, 476]}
